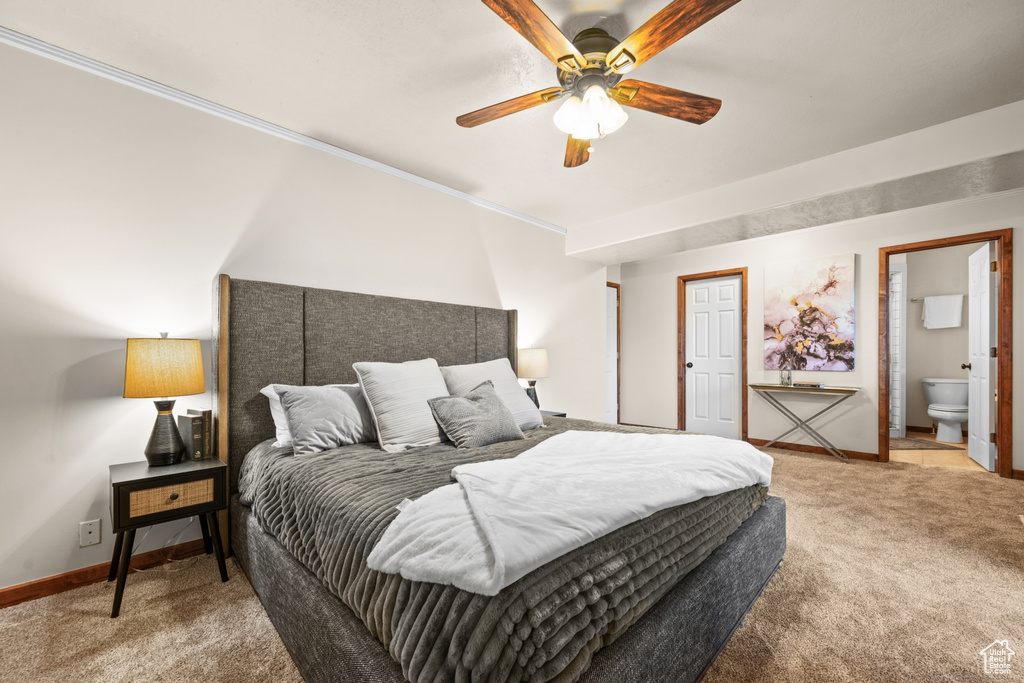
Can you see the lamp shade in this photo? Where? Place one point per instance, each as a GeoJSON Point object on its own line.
{"type": "Point", "coordinates": [533, 363]}
{"type": "Point", "coordinates": [159, 368]}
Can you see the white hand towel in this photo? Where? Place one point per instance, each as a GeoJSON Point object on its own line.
{"type": "Point", "coordinates": [942, 311]}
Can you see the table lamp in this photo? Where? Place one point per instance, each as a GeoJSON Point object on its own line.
{"type": "Point", "coordinates": [159, 368]}
{"type": "Point", "coordinates": [533, 365]}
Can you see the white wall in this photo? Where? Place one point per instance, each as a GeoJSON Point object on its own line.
{"type": "Point", "coordinates": [649, 331]}
{"type": "Point", "coordinates": [970, 138]}
{"type": "Point", "coordinates": [938, 352]}
{"type": "Point", "coordinates": [120, 209]}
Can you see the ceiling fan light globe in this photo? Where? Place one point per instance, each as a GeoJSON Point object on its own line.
{"type": "Point", "coordinates": [614, 118]}
{"type": "Point", "coordinates": [596, 104]}
{"type": "Point", "coordinates": [569, 116]}
{"type": "Point", "coordinates": [596, 101]}
{"type": "Point", "coordinates": [602, 114]}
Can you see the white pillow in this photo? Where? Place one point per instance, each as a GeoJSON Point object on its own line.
{"type": "Point", "coordinates": [462, 379]}
{"type": "Point", "coordinates": [284, 435]}
{"type": "Point", "coordinates": [397, 394]}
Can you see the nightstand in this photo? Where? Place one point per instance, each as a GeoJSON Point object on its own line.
{"type": "Point", "coordinates": [142, 496]}
{"type": "Point", "coordinates": [553, 413]}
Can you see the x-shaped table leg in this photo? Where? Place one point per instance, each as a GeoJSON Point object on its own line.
{"type": "Point", "coordinates": [803, 424]}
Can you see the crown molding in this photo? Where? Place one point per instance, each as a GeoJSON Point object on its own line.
{"type": "Point", "coordinates": [77, 61]}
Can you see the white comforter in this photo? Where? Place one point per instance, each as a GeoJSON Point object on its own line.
{"type": "Point", "coordinates": [505, 518]}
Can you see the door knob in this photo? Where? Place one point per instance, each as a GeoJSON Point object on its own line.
{"type": "Point", "coordinates": [689, 365]}
{"type": "Point", "coordinates": [965, 366]}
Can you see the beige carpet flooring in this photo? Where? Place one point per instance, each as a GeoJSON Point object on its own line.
{"type": "Point", "coordinates": [178, 623]}
{"type": "Point", "coordinates": [894, 572]}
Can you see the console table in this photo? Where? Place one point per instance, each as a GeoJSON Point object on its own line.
{"type": "Point", "coordinates": [771, 394]}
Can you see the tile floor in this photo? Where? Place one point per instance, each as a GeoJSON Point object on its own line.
{"type": "Point", "coordinates": [936, 458]}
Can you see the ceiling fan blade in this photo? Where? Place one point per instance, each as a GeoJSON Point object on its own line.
{"type": "Point", "coordinates": [664, 28]}
{"type": "Point", "coordinates": [496, 111]}
{"type": "Point", "coordinates": [531, 23]}
{"type": "Point", "coordinates": [577, 152]}
{"type": "Point", "coordinates": [666, 101]}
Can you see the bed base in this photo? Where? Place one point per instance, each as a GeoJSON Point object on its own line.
{"type": "Point", "coordinates": [674, 642]}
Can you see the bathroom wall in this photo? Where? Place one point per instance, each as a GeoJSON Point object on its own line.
{"type": "Point", "coordinates": [934, 353]}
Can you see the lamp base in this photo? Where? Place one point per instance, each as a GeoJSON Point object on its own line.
{"type": "Point", "coordinates": [531, 391]}
{"type": "Point", "coordinates": [165, 446]}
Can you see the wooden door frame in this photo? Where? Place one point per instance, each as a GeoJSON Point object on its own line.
{"type": "Point", "coordinates": [681, 344]}
{"type": "Point", "coordinates": [618, 350]}
{"type": "Point", "coordinates": [1004, 354]}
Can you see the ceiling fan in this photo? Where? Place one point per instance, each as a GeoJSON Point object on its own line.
{"type": "Point", "coordinates": [590, 68]}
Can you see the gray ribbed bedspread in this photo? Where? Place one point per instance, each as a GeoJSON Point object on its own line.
{"type": "Point", "coordinates": [329, 510]}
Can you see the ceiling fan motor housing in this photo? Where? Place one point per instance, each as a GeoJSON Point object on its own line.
{"type": "Point", "coordinates": [593, 44]}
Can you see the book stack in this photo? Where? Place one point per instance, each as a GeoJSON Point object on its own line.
{"type": "Point", "coordinates": [196, 427]}
{"type": "Point", "coordinates": [808, 385]}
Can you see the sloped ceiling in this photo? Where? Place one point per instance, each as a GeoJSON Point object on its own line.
{"type": "Point", "coordinates": [800, 80]}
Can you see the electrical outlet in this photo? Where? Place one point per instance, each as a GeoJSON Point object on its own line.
{"type": "Point", "coordinates": [88, 533]}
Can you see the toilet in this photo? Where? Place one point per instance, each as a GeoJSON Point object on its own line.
{"type": "Point", "coordinates": [947, 405]}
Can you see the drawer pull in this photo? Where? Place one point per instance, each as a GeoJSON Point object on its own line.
{"type": "Point", "coordinates": [174, 496]}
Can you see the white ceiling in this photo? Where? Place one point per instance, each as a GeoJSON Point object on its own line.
{"type": "Point", "coordinates": [800, 79]}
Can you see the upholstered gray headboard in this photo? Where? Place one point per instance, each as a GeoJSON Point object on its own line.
{"type": "Point", "coordinates": [267, 333]}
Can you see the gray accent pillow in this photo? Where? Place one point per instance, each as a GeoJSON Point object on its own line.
{"type": "Point", "coordinates": [461, 379]}
{"type": "Point", "coordinates": [479, 418]}
{"type": "Point", "coordinates": [321, 418]}
{"type": "Point", "coordinates": [397, 394]}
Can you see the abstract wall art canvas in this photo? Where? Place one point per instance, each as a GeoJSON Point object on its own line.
{"type": "Point", "coordinates": [809, 319]}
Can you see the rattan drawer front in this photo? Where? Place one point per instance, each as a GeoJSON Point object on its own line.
{"type": "Point", "coordinates": [151, 501]}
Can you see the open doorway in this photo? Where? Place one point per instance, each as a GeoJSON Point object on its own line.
{"type": "Point", "coordinates": [613, 363]}
{"type": "Point", "coordinates": [941, 304]}
{"type": "Point", "coordinates": [945, 352]}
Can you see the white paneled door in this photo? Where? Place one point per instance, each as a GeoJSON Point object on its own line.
{"type": "Point", "coordinates": [980, 335]}
{"type": "Point", "coordinates": [713, 356]}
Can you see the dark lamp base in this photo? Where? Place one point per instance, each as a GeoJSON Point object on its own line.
{"type": "Point", "coordinates": [165, 446]}
{"type": "Point", "coordinates": [532, 392]}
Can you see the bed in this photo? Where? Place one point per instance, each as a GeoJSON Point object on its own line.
{"type": "Point", "coordinates": [267, 332]}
